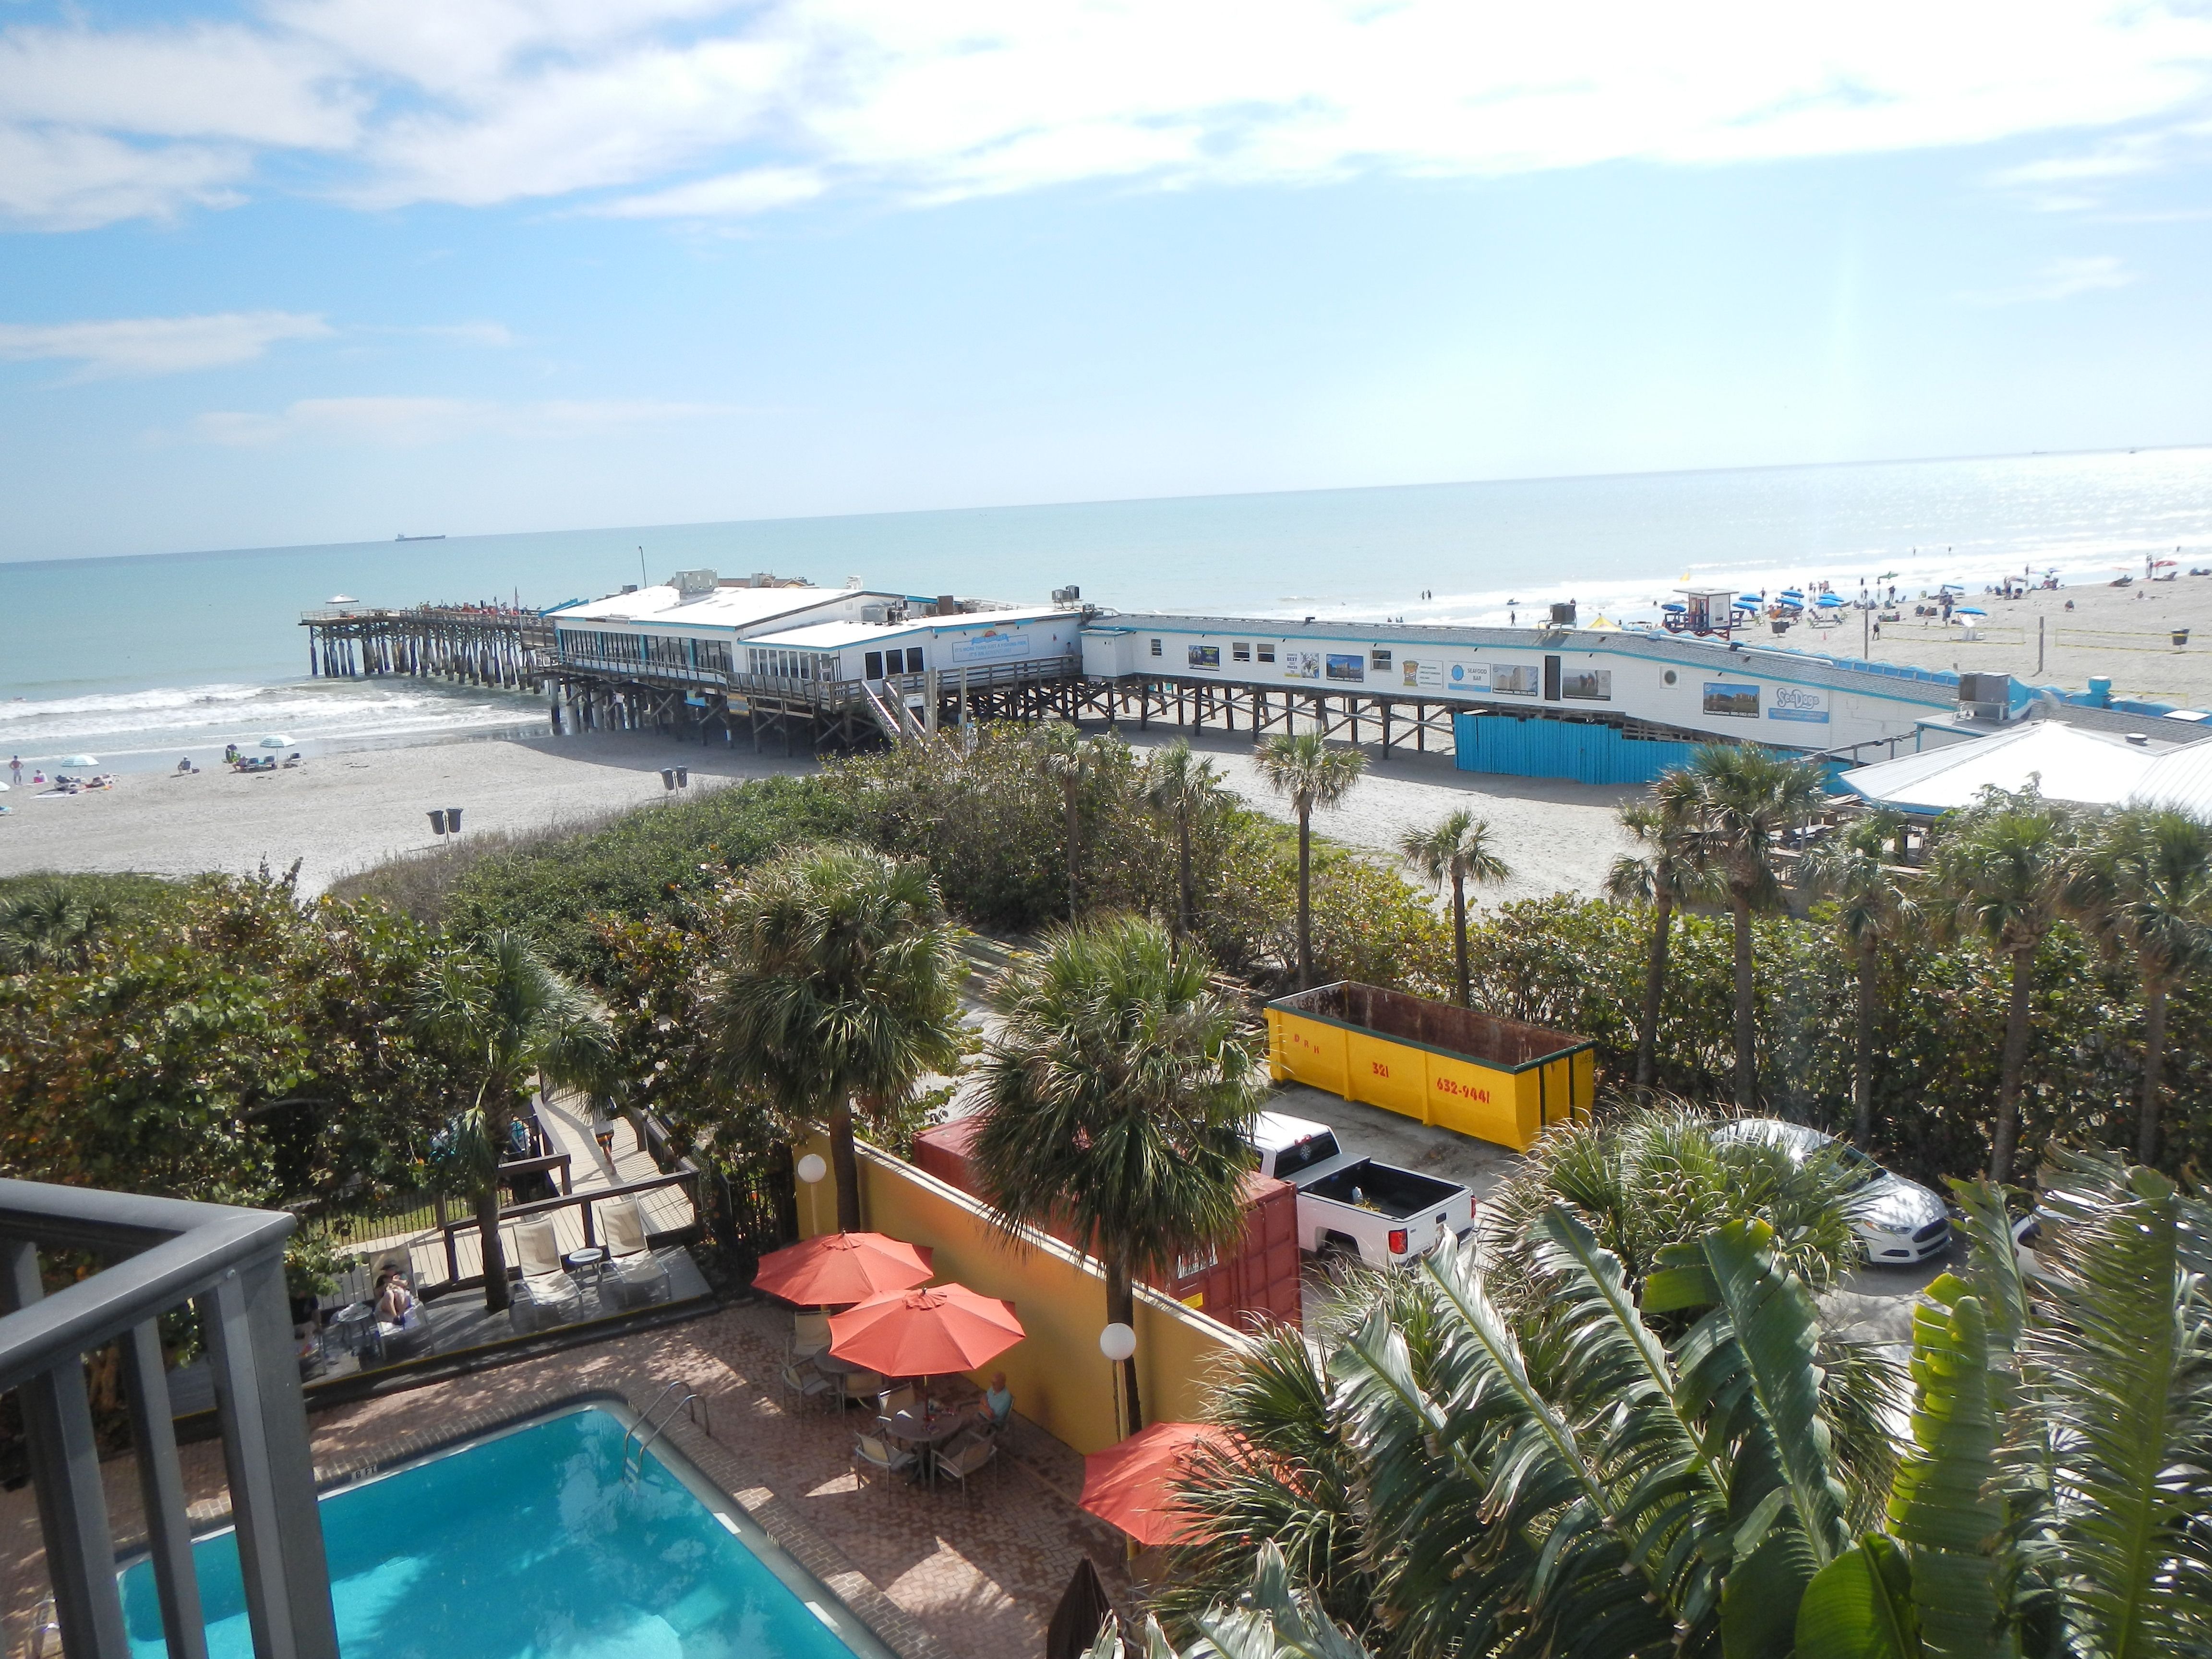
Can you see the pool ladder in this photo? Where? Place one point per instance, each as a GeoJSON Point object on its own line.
{"type": "Point", "coordinates": [646, 1430]}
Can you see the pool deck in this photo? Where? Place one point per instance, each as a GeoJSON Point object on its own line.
{"type": "Point", "coordinates": [938, 1574]}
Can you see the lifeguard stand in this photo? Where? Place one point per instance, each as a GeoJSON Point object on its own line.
{"type": "Point", "coordinates": [1708, 610]}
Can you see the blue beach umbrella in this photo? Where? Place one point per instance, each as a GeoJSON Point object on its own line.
{"type": "Point", "coordinates": [1968, 610]}
{"type": "Point", "coordinates": [1830, 602]}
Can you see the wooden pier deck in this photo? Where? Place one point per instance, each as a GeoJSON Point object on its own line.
{"type": "Point", "coordinates": [471, 645]}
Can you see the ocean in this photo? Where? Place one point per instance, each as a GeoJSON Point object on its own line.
{"type": "Point", "coordinates": [138, 661]}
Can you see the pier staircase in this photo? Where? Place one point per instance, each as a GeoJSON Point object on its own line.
{"type": "Point", "coordinates": [888, 708]}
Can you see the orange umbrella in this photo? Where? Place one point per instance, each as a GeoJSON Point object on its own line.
{"type": "Point", "coordinates": [1132, 1485]}
{"type": "Point", "coordinates": [841, 1267]}
{"type": "Point", "coordinates": [929, 1332]}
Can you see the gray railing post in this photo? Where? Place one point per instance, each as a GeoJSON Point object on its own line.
{"type": "Point", "coordinates": [161, 1490]}
{"type": "Point", "coordinates": [65, 1459]}
{"type": "Point", "coordinates": [271, 1468]}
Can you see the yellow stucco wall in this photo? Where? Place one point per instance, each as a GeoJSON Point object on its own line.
{"type": "Point", "coordinates": [1060, 1379]}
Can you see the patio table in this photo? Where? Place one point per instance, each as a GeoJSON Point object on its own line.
{"type": "Point", "coordinates": [925, 1432]}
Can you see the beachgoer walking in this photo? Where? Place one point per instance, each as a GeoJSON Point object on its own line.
{"type": "Point", "coordinates": [15, 769]}
{"type": "Point", "coordinates": [602, 1128]}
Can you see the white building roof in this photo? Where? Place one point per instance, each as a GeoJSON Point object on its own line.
{"type": "Point", "coordinates": [835, 635]}
{"type": "Point", "coordinates": [2182, 778]}
{"type": "Point", "coordinates": [741, 608]}
{"type": "Point", "coordinates": [2092, 769]}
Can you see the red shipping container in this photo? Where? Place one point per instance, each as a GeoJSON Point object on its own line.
{"type": "Point", "coordinates": [1258, 1279]}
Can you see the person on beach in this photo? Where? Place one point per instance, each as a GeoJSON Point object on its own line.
{"type": "Point", "coordinates": [15, 769]}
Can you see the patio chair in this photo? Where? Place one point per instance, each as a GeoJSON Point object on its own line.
{"type": "Point", "coordinates": [862, 1386]}
{"type": "Point", "coordinates": [810, 1334]}
{"type": "Point", "coordinates": [547, 1296]}
{"type": "Point", "coordinates": [634, 1276]}
{"type": "Point", "coordinates": [873, 1454]}
{"type": "Point", "coordinates": [964, 1459]}
{"type": "Point", "coordinates": [804, 1382]}
{"type": "Point", "coordinates": [892, 1401]}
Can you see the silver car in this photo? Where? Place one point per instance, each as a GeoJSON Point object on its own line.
{"type": "Point", "coordinates": [1899, 1222]}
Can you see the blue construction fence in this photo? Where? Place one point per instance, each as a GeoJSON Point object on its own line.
{"type": "Point", "coordinates": [1581, 751]}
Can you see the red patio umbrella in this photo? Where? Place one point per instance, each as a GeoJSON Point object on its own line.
{"type": "Point", "coordinates": [1132, 1485]}
{"type": "Point", "coordinates": [834, 1269]}
{"type": "Point", "coordinates": [930, 1332]}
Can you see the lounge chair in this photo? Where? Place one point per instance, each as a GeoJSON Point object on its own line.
{"type": "Point", "coordinates": [547, 1296]}
{"type": "Point", "coordinates": [810, 1334]}
{"type": "Point", "coordinates": [634, 1276]}
{"type": "Point", "coordinates": [870, 1453]}
{"type": "Point", "coordinates": [964, 1459]}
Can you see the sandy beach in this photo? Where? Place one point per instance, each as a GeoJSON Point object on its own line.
{"type": "Point", "coordinates": [2121, 633]}
{"type": "Point", "coordinates": [342, 813]}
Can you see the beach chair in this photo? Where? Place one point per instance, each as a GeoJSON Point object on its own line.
{"type": "Point", "coordinates": [875, 1457]}
{"type": "Point", "coordinates": [634, 1276]}
{"type": "Point", "coordinates": [547, 1296]}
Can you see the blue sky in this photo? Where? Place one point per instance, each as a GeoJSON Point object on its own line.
{"type": "Point", "coordinates": [325, 269]}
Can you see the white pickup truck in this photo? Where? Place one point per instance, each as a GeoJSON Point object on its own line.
{"type": "Point", "coordinates": [1381, 1214]}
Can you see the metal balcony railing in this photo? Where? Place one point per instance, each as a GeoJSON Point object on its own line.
{"type": "Point", "coordinates": [157, 1253]}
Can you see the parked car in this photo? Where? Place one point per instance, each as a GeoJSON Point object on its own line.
{"type": "Point", "coordinates": [1377, 1211]}
{"type": "Point", "coordinates": [1898, 1222]}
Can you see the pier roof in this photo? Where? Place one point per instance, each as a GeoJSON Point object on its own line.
{"type": "Point", "coordinates": [836, 634]}
{"type": "Point", "coordinates": [739, 608]}
{"type": "Point", "coordinates": [2091, 768]}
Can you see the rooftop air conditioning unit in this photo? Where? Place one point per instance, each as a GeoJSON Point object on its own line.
{"type": "Point", "coordinates": [1068, 595]}
{"type": "Point", "coordinates": [1985, 696]}
{"type": "Point", "coordinates": [692, 583]}
{"type": "Point", "coordinates": [875, 613]}
{"type": "Point", "coordinates": [1562, 613]}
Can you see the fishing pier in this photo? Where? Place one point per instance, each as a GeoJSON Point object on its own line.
{"type": "Point", "coordinates": [470, 645]}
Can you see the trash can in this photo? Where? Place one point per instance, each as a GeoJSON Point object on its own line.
{"type": "Point", "coordinates": [683, 773]}
{"type": "Point", "coordinates": [437, 822]}
{"type": "Point", "coordinates": [453, 819]}
{"type": "Point", "coordinates": [2181, 636]}
{"type": "Point", "coordinates": [668, 778]}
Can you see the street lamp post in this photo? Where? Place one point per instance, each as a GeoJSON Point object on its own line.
{"type": "Point", "coordinates": [1118, 1342]}
{"type": "Point", "coordinates": [811, 1169]}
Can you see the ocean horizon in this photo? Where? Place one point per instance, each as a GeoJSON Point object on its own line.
{"type": "Point", "coordinates": [141, 657]}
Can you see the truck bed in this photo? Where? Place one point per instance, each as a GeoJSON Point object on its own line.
{"type": "Point", "coordinates": [1394, 1193]}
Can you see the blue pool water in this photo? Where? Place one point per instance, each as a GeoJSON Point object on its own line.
{"type": "Point", "coordinates": [532, 1546]}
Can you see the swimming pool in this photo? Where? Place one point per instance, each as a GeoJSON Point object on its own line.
{"type": "Point", "coordinates": [531, 1545]}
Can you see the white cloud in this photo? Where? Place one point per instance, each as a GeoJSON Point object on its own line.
{"type": "Point", "coordinates": [137, 346]}
{"type": "Point", "coordinates": [704, 108]}
{"type": "Point", "coordinates": [411, 422]}
{"type": "Point", "coordinates": [2061, 279]}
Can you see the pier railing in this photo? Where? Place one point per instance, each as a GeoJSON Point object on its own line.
{"type": "Point", "coordinates": [158, 1254]}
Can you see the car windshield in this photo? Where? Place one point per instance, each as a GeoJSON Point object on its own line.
{"type": "Point", "coordinates": [1857, 1168]}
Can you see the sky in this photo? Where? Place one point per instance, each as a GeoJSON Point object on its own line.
{"type": "Point", "coordinates": [319, 271]}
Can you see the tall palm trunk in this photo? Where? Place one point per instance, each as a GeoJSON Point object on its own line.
{"type": "Point", "coordinates": [846, 1164]}
{"type": "Point", "coordinates": [1305, 896]}
{"type": "Point", "coordinates": [1074, 849]}
{"type": "Point", "coordinates": [1747, 1028]}
{"type": "Point", "coordinates": [1186, 906]}
{"type": "Point", "coordinates": [1862, 1043]}
{"type": "Point", "coordinates": [497, 1119]}
{"type": "Point", "coordinates": [2155, 989]}
{"type": "Point", "coordinates": [1655, 987]}
{"type": "Point", "coordinates": [2007, 1133]}
{"type": "Point", "coordinates": [1459, 933]}
{"type": "Point", "coordinates": [1121, 1310]}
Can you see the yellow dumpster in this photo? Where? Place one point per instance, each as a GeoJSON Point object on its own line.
{"type": "Point", "coordinates": [1495, 1079]}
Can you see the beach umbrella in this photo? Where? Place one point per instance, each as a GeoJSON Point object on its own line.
{"type": "Point", "coordinates": [839, 1268]}
{"type": "Point", "coordinates": [1749, 598]}
{"type": "Point", "coordinates": [929, 1332]}
{"type": "Point", "coordinates": [80, 760]}
{"type": "Point", "coordinates": [1968, 610]}
{"type": "Point", "coordinates": [1829, 601]}
{"type": "Point", "coordinates": [1083, 1609]}
{"type": "Point", "coordinates": [276, 741]}
{"type": "Point", "coordinates": [1677, 609]}
{"type": "Point", "coordinates": [1132, 1485]}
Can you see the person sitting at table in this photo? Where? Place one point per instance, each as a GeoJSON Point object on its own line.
{"type": "Point", "coordinates": [996, 1408]}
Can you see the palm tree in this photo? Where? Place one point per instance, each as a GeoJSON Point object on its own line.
{"type": "Point", "coordinates": [1068, 760]}
{"type": "Point", "coordinates": [1618, 1469]}
{"type": "Point", "coordinates": [2002, 869]}
{"type": "Point", "coordinates": [2143, 885]}
{"type": "Point", "coordinates": [843, 986]}
{"type": "Point", "coordinates": [52, 921]}
{"type": "Point", "coordinates": [503, 1016]}
{"type": "Point", "coordinates": [1456, 850]}
{"type": "Point", "coordinates": [1666, 875]}
{"type": "Point", "coordinates": [1187, 792]}
{"type": "Point", "coordinates": [1115, 1100]}
{"type": "Point", "coordinates": [1873, 909]}
{"type": "Point", "coordinates": [1746, 795]}
{"type": "Point", "coordinates": [1303, 767]}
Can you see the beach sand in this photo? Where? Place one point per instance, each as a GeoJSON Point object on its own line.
{"type": "Point", "coordinates": [344, 811]}
{"type": "Point", "coordinates": [2121, 632]}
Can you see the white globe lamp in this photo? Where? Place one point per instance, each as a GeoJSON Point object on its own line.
{"type": "Point", "coordinates": [1117, 1342]}
{"type": "Point", "coordinates": [811, 1169]}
